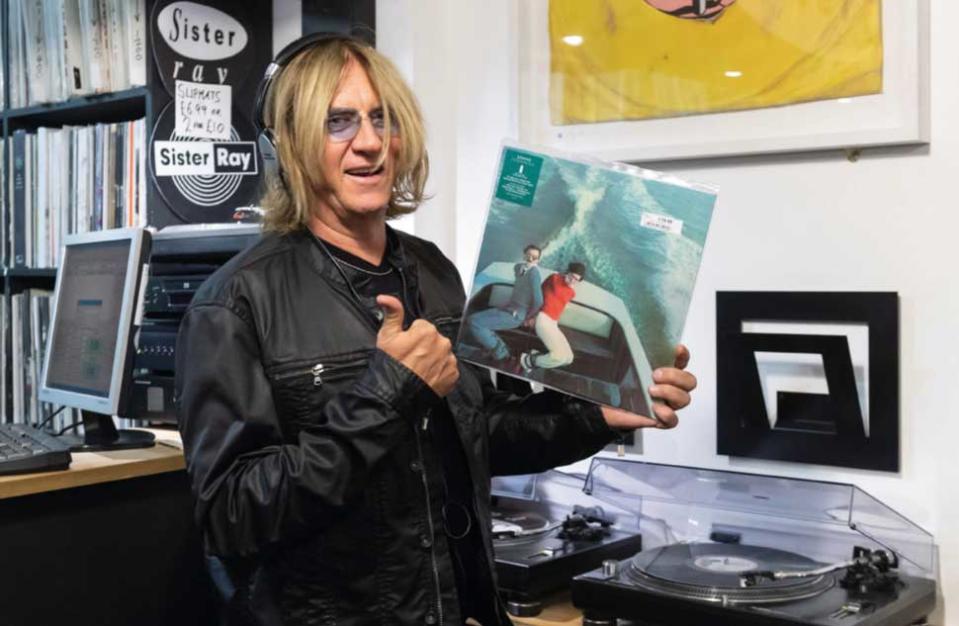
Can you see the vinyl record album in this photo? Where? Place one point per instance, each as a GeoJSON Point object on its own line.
{"type": "Point", "coordinates": [225, 179]}
{"type": "Point", "coordinates": [537, 556]}
{"type": "Point", "coordinates": [520, 524]}
{"type": "Point", "coordinates": [712, 572]}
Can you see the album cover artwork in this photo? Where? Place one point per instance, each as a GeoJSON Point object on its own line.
{"type": "Point", "coordinates": [585, 274]}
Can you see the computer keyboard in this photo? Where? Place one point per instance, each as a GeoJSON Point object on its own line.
{"type": "Point", "coordinates": [24, 448]}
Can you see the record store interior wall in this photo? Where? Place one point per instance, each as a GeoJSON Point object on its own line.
{"type": "Point", "coordinates": [887, 222]}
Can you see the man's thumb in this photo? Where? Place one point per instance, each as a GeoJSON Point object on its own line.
{"type": "Point", "coordinates": [392, 315]}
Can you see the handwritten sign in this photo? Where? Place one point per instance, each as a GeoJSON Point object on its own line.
{"type": "Point", "coordinates": [203, 110]}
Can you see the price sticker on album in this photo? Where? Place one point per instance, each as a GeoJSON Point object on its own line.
{"type": "Point", "coordinates": [203, 110]}
{"type": "Point", "coordinates": [664, 223]}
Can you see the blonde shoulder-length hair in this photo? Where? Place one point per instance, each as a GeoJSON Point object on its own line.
{"type": "Point", "coordinates": [296, 111]}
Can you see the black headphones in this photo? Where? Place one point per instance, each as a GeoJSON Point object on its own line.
{"type": "Point", "coordinates": [265, 139]}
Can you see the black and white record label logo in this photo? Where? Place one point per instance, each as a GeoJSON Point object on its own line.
{"type": "Point", "coordinates": [204, 158]}
{"type": "Point", "coordinates": [202, 43]}
{"type": "Point", "coordinates": [203, 180]}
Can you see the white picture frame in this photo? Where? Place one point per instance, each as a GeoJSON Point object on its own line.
{"type": "Point", "coordinates": [897, 116]}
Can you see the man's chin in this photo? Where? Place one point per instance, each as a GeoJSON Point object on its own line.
{"type": "Point", "coordinates": [355, 205]}
{"type": "Point", "coordinates": [366, 202]}
{"type": "Point", "coordinates": [366, 209]}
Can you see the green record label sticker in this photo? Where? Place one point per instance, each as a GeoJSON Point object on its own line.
{"type": "Point", "coordinates": [518, 178]}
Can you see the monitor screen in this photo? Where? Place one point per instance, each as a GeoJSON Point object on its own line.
{"type": "Point", "coordinates": [88, 310]}
{"type": "Point", "coordinates": [522, 487]}
{"type": "Point", "coordinates": [89, 353]}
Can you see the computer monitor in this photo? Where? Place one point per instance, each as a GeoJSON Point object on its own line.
{"type": "Point", "coordinates": [90, 344]}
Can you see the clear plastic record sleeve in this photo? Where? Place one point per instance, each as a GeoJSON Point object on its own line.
{"type": "Point", "coordinates": [618, 248]}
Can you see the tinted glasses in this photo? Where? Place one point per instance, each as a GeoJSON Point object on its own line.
{"type": "Point", "coordinates": [343, 124]}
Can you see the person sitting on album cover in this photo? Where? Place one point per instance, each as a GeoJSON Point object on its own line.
{"type": "Point", "coordinates": [339, 453]}
{"type": "Point", "coordinates": [524, 302]}
{"type": "Point", "coordinates": [557, 292]}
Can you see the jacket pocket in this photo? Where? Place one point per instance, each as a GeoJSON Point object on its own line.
{"type": "Point", "coordinates": [448, 325]}
{"type": "Point", "coordinates": [302, 389]}
{"type": "Point", "coordinates": [320, 370]}
{"type": "Point", "coordinates": [307, 603]}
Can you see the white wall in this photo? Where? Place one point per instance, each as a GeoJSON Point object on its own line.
{"type": "Point", "coordinates": [796, 222]}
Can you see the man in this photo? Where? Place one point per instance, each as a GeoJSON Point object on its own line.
{"type": "Point", "coordinates": [340, 455]}
{"type": "Point", "coordinates": [525, 300]}
{"type": "Point", "coordinates": [557, 293]}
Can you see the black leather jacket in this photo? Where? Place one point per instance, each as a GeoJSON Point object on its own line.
{"type": "Point", "coordinates": [304, 444]}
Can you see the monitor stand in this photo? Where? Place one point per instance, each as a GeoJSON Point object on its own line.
{"type": "Point", "coordinates": [99, 433]}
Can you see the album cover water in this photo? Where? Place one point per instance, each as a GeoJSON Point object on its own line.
{"type": "Point", "coordinates": [585, 274]}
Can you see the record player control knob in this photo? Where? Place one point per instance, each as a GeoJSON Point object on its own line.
{"type": "Point", "coordinates": [610, 568]}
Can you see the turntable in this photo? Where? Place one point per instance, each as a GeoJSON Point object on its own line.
{"type": "Point", "coordinates": [537, 555]}
{"type": "Point", "coordinates": [725, 548]}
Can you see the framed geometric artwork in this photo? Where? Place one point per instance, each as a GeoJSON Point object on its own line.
{"type": "Point", "coordinates": [809, 377]}
{"type": "Point", "coordinates": [644, 80]}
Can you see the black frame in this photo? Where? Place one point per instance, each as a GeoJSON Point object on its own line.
{"type": "Point", "coordinates": [742, 424]}
{"type": "Point", "coordinates": [349, 17]}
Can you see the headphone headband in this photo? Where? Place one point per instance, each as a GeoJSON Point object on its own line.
{"type": "Point", "coordinates": [265, 139]}
{"type": "Point", "coordinates": [279, 62]}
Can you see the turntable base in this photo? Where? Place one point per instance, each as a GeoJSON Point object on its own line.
{"type": "Point", "coordinates": [702, 583]}
{"type": "Point", "coordinates": [540, 562]}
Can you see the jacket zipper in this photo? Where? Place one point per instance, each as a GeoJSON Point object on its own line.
{"type": "Point", "coordinates": [429, 519]}
{"type": "Point", "coordinates": [419, 448]}
{"type": "Point", "coordinates": [406, 303]}
{"type": "Point", "coordinates": [426, 486]}
{"type": "Point", "coordinates": [322, 373]}
{"type": "Point", "coordinates": [448, 319]}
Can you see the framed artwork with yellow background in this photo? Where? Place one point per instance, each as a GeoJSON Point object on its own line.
{"type": "Point", "coordinates": [648, 80]}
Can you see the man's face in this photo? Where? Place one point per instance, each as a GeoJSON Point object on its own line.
{"type": "Point", "coordinates": [572, 278]}
{"type": "Point", "coordinates": [354, 186]}
{"type": "Point", "coordinates": [531, 256]}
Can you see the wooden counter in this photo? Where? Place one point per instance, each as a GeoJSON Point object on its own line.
{"type": "Point", "coordinates": [109, 542]}
{"type": "Point", "coordinates": [557, 611]}
{"type": "Point", "coordinates": [91, 468]}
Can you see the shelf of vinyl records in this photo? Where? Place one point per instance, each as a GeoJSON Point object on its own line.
{"type": "Point", "coordinates": [17, 279]}
{"type": "Point", "coordinates": [125, 105]}
{"type": "Point", "coordinates": [74, 78]}
{"type": "Point", "coordinates": [61, 49]}
{"type": "Point", "coordinates": [75, 136]}
{"type": "Point", "coordinates": [72, 179]}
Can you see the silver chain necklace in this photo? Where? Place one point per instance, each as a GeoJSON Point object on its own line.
{"type": "Point", "coordinates": [389, 270]}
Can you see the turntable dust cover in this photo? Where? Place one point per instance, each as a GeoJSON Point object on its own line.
{"type": "Point", "coordinates": [584, 275]}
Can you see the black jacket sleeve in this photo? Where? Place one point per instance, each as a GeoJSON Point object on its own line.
{"type": "Point", "coordinates": [535, 432]}
{"type": "Point", "coordinates": [251, 488]}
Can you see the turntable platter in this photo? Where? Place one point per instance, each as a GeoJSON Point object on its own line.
{"type": "Point", "coordinates": [520, 526]}
{"type": "Point", "coordinates": [711, 573]}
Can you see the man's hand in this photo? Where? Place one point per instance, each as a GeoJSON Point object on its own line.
{"type": "Point", "coordinates": [529, 322]}
{"type": "Point", "coordinates": [670, 393]}
{"type": "Point", "coordinates": [421, 348]}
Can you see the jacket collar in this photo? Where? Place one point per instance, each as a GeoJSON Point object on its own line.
{"type": "Point", "coordinates": [311, 252]}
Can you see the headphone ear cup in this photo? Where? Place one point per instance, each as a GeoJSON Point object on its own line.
{"type": "Point", "coordinates": [265, 139]}
{"type": "Point", "coordinates": [266, 142]}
